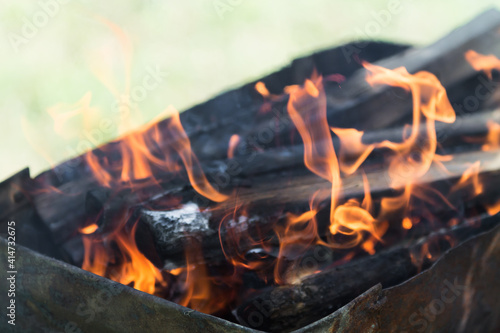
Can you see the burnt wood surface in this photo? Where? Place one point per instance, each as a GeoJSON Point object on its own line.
{"type": "Point", "coordinates": [257, 176]}
{"type": "Point", "coordinates": [267, 199]}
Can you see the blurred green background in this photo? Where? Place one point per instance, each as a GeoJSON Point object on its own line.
{"type": "Point", "coordinates": [54, 51]}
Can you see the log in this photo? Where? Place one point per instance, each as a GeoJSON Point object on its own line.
{"type": "Point", "coordinates": [210, 132]}
{"type": "Point", "coordinates": [64, 208]}
{"type": "Point", "coordinates": [211, 124]}
{"type": "Point", "coordinates": [355, 104]}
{"type": "Point", "coordinates": [293, 306]}
{"type": "Point", "coordinates": [268, 199]}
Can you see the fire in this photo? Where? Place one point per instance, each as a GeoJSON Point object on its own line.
{"type": "Point", "coordinates": [307, 109]}
{"type": "Point", "coordinates": [116, 255]}
{"type": "Point", "coordinates": [470, 177]}
{"type": "Point", "coordinates": [493, 209]}
{"type": "Point", "coordinates": [413, 156]}
{"type": "Point", "coordinates": [200, 293]}
{"type": "Point", "coordinates": [492, 140]}
{"type": "Point", "coordinates": [136, 269]}
{"type": "Point", "coordinates": [297, 236]}
{"type": "Point", "coordinates": [133, 267]}
{"type": "Point", "coordinates": [137, 159]}
{"type": "Point", "coordinates": [233, 143]}
{"type": "Point", "coordinates": [261, 89]}
{"type": "Point", "coordinates": [90, 229]}
{"type": "Point", "coordinates": [182, 146]}
{"type": "Point", "coordinates": [407, 224]}
{"type": "Point", "coordinates": [142, 157]}
{"type": "Point", "coordinates": [351, 145]}
{"type": "Point", "coordinates": [485, 63]}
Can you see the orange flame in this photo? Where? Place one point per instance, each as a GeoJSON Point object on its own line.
{"type": "Point", "coordinates": [470, 177]}
{"type": "Point", "coordinates": [493, 209]}
{"type": "Point", "coordinates": [307, 109]}
{"type": "Point", "coordinates": [201, 293]}
{"type": "Point", "coordinates": [492, 140]}
{"type": "Point", "coordinates": [90, 229]}
{"type": "Point", "coordinates": [137, 158]}
{"type": "Point", "coordinates": [407, 224]}
{"type": "Point", "coordinates": [233, 142]}
{"type": "Point", "coordinates": [416, 153]}
{"type": "Point", "coordinates": [195, 173]}
{"type": "Point", "coordinates": [351, 145]}
{"type": "Point", "coordinates": [261, 89]}
{"type": "Point", "coordinates": [297, 236]}
{"type": "Point", "coordinates": [485, 63]}
{"type": "Point", "coordinates": [134, 268]}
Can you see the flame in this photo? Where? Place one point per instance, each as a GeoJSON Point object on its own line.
{"type": "Point", "coordinates": [492, 140]}
{"type": "Point", "coordinates": [236, 241]}
{"type": "Point", "coordinates": [407, 224]}
{"type": "Point", "coordinates": [137, 159]}
{"type": "Point", "coordinates": [305, 105]}
{"type": "Point", "coordinates": [195, 173]}
{"type": "Point", "coordinates": [261, 89]}
{"type": "Point", "coordinates": [90, 229]}
{"type": "Point", "coordinates": [493, 209]}
{"type": "Point", "coordinates": [356, 225]}
{"type": "Point", "coordinates": [200, 292]}
{"type": "Point", "coordinates": [233, 142]}
{"type": "Point", "coordinates": [307, 109]}
{"type": "Point", "coordinates": [414, 156]}
{"type": "Point", "coordinates": [133, 267]}
{"type": "Point", "coordinates": [470, 177]}
{"type": "Point", "coordinates": [136, 269]}
{"type": "Point", "coordinates": [295, 237]}
{"type": "Point", "coordinates": [351, 145]}
{"type": "Point", "coordinates": [269, 98]}
{"type": "Point", "coordinates": [142, 153]}
{"type": "Point", "coordinates": [96, 257]}
{"type": "Point", "coordinates": [485, 63]}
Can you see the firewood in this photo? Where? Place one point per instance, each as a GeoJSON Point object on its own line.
{"type": "Point", "coordinates": [210, 137]}
{"type": "Point", "coordinates": [268, 200]}
{"type": "Point", "coordinates": [60, 209]}
{"type": "Point", "coordinates": [209, 133]}
{"type": "Point", "coordinates": [209, 125]}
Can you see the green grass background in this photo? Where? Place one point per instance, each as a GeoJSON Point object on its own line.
{"type": "Point", "coordinates": [203, 52]}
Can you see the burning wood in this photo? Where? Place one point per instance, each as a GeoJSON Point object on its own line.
{"type": "Point", "coordinates": [203, 216]}
{"type": "Point", "coordinates": [293, 306]}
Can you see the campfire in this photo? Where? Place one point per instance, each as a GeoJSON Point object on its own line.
{"type": "Point", "coordinates": [344, 192]}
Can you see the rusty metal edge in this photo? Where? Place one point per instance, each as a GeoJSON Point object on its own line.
{"type": "Point", "coordinates": [52, 296]}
